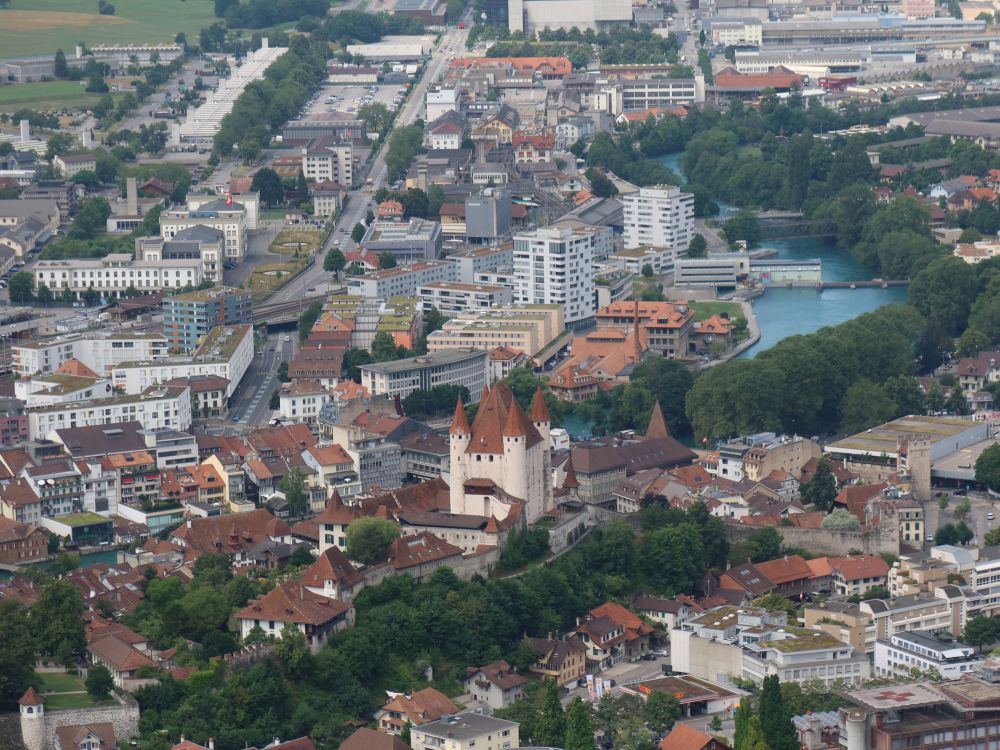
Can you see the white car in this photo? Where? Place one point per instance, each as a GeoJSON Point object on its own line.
{"type": "Point", "coordinates": [288, 339]}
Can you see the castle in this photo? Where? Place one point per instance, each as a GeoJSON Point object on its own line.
{"type": "Point", "coordinates": [77, 728]}
{"type": "Point", "coordinates": [501, 466]}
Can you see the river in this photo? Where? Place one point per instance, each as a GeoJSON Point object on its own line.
{"type": "Point", "coordinates": [784, 311]}
{"type": "Point", "coordinates": [108, 557]}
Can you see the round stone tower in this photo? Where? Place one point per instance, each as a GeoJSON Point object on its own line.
{"type": "Point", "coordinates": [32, 720]}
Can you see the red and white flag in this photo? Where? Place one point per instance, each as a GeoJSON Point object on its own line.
{"type": "Point", "coordinates": [229, 199]}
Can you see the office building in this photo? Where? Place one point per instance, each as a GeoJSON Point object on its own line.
{"type": "Point", "coordinates": [488, 215]}
{"type": "Point", "coordinates": [402, 280]}
{"type": "Point", "coordinates": [932, 654]}
{"type": "Point", "coordinates": [659, 216]}
{"type": "Point", "coordinates": [523, 328]}
{"type": "Point", "coordinates": [153, 408]}
{"type": "Point", "coordinates": [530, 16]}
{"type": "Point", "coordinates": [225, 214]}
{"type": "Point", "coordinates": [409, 241]}
{"type": "Point", "coordinates": [404, 376]}
{"type": "Point", "coordinates": [484, 259]}
{"type": "Point", "coordinates": [206, 244]}
{"type": "Point", "coordinates": [189, 317]}
{"type": "Point", "coordinates": [555, 265]}
{"type": "Point", "coordinates": [115, 274]}
{"type": "Point", "coordinates": [97, 352]}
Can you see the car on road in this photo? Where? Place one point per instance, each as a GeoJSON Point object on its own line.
{"type": "Point", "coordinates": [288, 339]}
{"type": "Point", "coordinates": [990, 516]}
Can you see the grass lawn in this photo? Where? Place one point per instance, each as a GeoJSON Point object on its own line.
{"type": "Point", "coordinates": [305, 241]}
{"type": "Point", "coordinates": [47, 95]}
{"type": "Point", "coordinates": [60, 682]}
{"type": "Point", "coordinates": [73, 700]}
{"type": "Point", "coordinates": [31, 28]}
{"type": "Point", "coordinates": [703, 310]}
{"type": "Point", "coordinates": [267, 278]}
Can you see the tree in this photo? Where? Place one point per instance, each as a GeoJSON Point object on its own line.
{"type": "Point", "coordinates": [61, 69]}
{"type": "Point", "coordinates": [283, 373]}
{"type": "Point", "coordinates": [660, 712]}
{"type": "Point", "coordinates": [21, 285]}
{"type": "Point", "coordinates": [600, 185]}
{"type": "Point", "coordinates": [293, 652]}
{"type": "Point", "coordinates": [99, 682]}
{"type": "Point", "coordinates": [675, 558]}
{"type": "Point", "coordinates": [865, 405]}
{"type": "Point", "coordinates": [59, 144]}
{"type": "Point", "coordinates": [981, 631]}
{"type": "Point", "coordinates": [334, 261]}
{"type": "Point", "coordinates": [988, 467]}
{"type": "Point", "coordinates": [294, 486]}
{"type": "Point", "coordinates": [308, 320]}
{"type": "Point", "coordinates": [944, 290]}
{"type": "Point", "coordinates": [267, 182]}
{"type": "Point", "coordinates": [17, 651]}
{"type": "Point", "coordinates": [358, 232]}
{"type": "Point", "coordinates": [715, 724]}
{"type": "Point", "coordinates": [697, 247]}
{"type": "Point", "coordinates": [956, 402]}
{"type": "Point", "coordinates": [742, 720]}
{"type": "Point", "coordinates": [775, 722]}
{"type": "Point", "coordinates": [55, 619]}
{"type": "Point", "coordinates": [743, 226]}
{"type": "Point", "coordinates": [384, 349]}
{"type": "Point", "coordinates": [91, 297]}
{"type": "Point", "coordinates": [971, 342]}
{"type": "Point", "coordinates": [579, 726]}
{"type": "Point", "coordinates": [905, 392]}
{"type": "Point", "coordinates": [841, 520]}
{"type": "Point", "coordinates": [301, 188]}
{"type": "Point", "coordinates": [822, 488]}
{"type": "Point", "coordinates": [369, 537]}
{"type": "Point", "coordinates": [957, 533]}
{"type": "Point", "coordinates": [647, 271]}
{"type": "Point", "coordinates": [386, 260]}
{"type": "Point", "coordinates": [551, 729]}
{"type": "Point", "coordinates": [775, 602]}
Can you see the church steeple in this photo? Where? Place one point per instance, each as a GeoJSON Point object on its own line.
{"type": "Point", "coordinates": [657, 427]}
{"type": "Point", "coordinates": [460, 423]}
{"type": "Point", "coordinates": [539, 412]}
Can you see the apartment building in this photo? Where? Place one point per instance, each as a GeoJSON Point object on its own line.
{"type": "Point", "coordinates": [114, 274]}
{"type": "Point", "coordinates": [659, 216]}
{"type": "Point", "coordinates": [153, 408]}
{"type": "Point", "coordinates": [410, 241]}
{"type": "Point", "coordinates": [98, 352]}
{"type": "Point", "coordinates": [555, 265]}
{"type": "Point", "coordinates": [206, 244]}
{"type": "Point", "coordinates": [226, 352]}
{"type": "Point", "coordinates": [484, 259]}
{"type": "Point", "coordinates": [187, 318]}
{"type": "Point", "coordinates": [525, 328]}
{"type": "Point", "coordinates": [403, 281]}
{"type": "Point", "coordinates": [466, 731]}
{"type": "Point", "coordinates": [927, 653]}
{"type": "Point", "coordinates": [667, 325]}
{"type": "Point", "coordinates": [940, 610]}
{"type": "Point", "coordinates": [302, 400]}
{"type": "Point", "coordinates": [464, 367]}
{"type": "Point", "coordinates": [329, 160]}
{"type": "Point", "coordinates": [799, 655]}
{"type": "Point", "coordinates": [452, 297]}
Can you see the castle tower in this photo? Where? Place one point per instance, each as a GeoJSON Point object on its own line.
{"type": "Point", "coordinates": [32, 720]}
{"type": "Point", "coordinates": [657, 427]}
{"type": "Point", "coordinates": [515, 451]}
{"type": "Point", "coordinates": [543, 422]}
{"type": "Point", "coordinates": [459, 435]}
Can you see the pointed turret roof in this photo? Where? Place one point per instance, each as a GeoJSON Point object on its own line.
{"type": "Point", "coordinates": [539, 412]}
{"type": "Point", "coordinates": [657, 427]}
{"type": "Point", "coordinates": [517, 424]}
{"type": "Point", "coordinates": [460, 423]}
{"type": "Point", "coordinates": [570, 482]}
{"type": "Point", "coordinates": [31, 698]}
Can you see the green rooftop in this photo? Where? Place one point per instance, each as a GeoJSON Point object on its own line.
{"type": "Point", "coordinates": [81, 519]}
{"type": "Point", "coordinates": [804, 640]}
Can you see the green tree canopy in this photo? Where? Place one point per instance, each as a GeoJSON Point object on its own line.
{"type": "Point", "coordinates": [369, 537]}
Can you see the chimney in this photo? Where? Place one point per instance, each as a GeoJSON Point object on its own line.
{"type": "Point", "coordinates": [79, 54]}
{"type": "Point", "coordinates": [86, 138]}
{"type": "Point", "coordinates": [25, 131]}
{"type": "Point", "coordinates": [131, 197]}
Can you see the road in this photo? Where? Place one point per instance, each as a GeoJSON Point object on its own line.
{"type": "Point", "coordinates": [361, 200]}
{"type": "Point", "coordinates": [978, 519]}
{"type": "Point", "coordinates": [250, 401]}
{"type": "Point", "coordinates": [155, 102]}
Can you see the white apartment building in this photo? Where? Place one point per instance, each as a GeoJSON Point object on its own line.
{"type": "Point", "coordinates": [466, 731]}
{"type": "Point", "coordinates": [113, 274]}
{"type": "Point", "coordinates": [404, 376]}
{"type": "Point", "coordinates": [555, 265]}
{"type": "Point", "coordinates": [302, 400]}
{"type": "Point", "coordinates": [485, 259]}
{"type": "Point", "coordinates": [98, 352]}
{"type": "Point", "coordinates": [402, 281]}
{"type": "Point", "coordinates": [45, 390]}
{"type": "Point", "coordinates": [153, 408]}
{"type": "Point", "coordinates": [633, 260]}
{"type": "Point", "coordinates": [660, 216]}
{"type": "Point", "coordinates": [452, 297]}
{"type": "Point", "coordinates": [925, 652]}
{"type": "Point", "coordinates": [226, 351]}
{"type": "Point", "coordinates": [249, 201]}
{"type": "Point", "coordinates": [223, 214]}
{"type": "Point", "coordinates": [328, 160]}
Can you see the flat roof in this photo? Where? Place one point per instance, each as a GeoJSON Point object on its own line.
{"type": "Point", "coordinates": [685, 688]}
{"type": "Point", "coordinates": [884, 439]}
{"type": "Point", "coordinates": [434, 359]}
{"type": "Point", "coordinates": [910, 695]}
{"type": "Point", "coordinates": [80, 519]}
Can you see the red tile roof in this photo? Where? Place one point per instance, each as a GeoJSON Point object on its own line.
{"type": "Point", "coordinates": [422, 706]}
{"type": "Point", "coordinates": [420, 549]}
{"type": "Point", "coordinates": [686, 737]}
{"type": "Point", "coordinates": [293, 602]}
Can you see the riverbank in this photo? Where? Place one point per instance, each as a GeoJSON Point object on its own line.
{"type": "Point", "coordinates": [747, 343]}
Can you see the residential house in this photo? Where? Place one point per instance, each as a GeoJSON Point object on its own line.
{"type": "Point", "coordinates": [613, 634]}
{"type": "Point", "coordinates": [668, 613]}
{"type": "Point", "coordinates": [497, 684]}
{"type": "Point", "coordinates": [292, 604]}
{"type": "Point", "coordinates": [233, 535]}
{"type": "Point", "coordinates": [96, 736]}
{"type": "Point", "coordinates": [686, 737]}
{"type": "Point", "coordinates": [790, 576]}
{"type": "Point", "coordinates": [414, 709]}
{"type": "Point", "coordinates": [122, 659]}
{"type": "Point", "coordinates": [22, 542]}
{"type": "Point", "coordinates": [368, 739]}
{"type": "Point", "coordinates": [333, 576]}
{"type": "Point", "coordinates": [533, 148]}
{"type": "Point", "coordinates": [564, 661]}
{"type": "Point", "coordinates": [466, 731]}
{"type": "Point", "coordinates": [333, 523]}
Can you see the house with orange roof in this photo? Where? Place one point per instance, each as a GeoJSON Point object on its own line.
{"type": "Point", "coordinates": [546, 68]}
{"type": "Point", "coordinates": [850, 574]}
{"type": "Point", "coordinates": [686, 737]}
{"type": "Point", "coordinates": [335, 470]}
{"type": "Point", "coordinates": [613, 634]}
{"type": "Point", "coordinates": [598, 361]}
{"type": "Point", "coordinates": [730, 84]}
{"type": "Point", "coordinates": [657, 113]}
{"type": "Point", "coordinates": [122, 659]}
{"type": "Point", "coordinates": [712, 335]}
{"type": "Point", "coordinates": [347, 390]}
{"type": "Point", "coordinates": [976, 252]}
{"type": "Point", "coordinates": [533, 148]}
{"type": "Point", "coordinates": [233, 535]}
{"type": "Point", "coordinates": [135, 476]}
{"type": "Point", "coordinates": [333, 576]}
{"type": "Point", "coordinates": [390, 210]}
{"type": "Point", "coordinates": [413, 709]}
{"type": "Point", "coordinates": [502, 360]}
{"type": "Point", "coordinates": [292, 604]}
{"type": "Point", "coordinates": [665, 326]}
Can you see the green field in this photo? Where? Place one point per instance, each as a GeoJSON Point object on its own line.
{"type": "Point", "coordinates": [30, 28]}
{"type": "Point", "coordinates": [50, 95]}
{"type": "Point", "coordinates": [60, 682]}
{"type": "Point", "coordinates": [69, 691]}
{"type": "Point", "coordinates": [73, 700]}
{"type": "Point", "coordinates": [703, 310]}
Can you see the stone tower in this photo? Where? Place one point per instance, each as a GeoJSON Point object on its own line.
{"type": "Point", "coordinates": [543, 422]}
{"type": "Point", "coordinates": [918, 464]}
{"type": "Point", "coordinates": [32, 720]}
{"type": "Point", "coordinates": [460, 433]}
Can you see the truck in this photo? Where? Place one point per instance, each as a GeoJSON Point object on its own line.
{"type": "Point", "coordinates": [461, 24]}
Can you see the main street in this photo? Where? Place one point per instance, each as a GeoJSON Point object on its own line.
{"type": "Point", "coordinates": [362, 200]}
{"type": "Point", "coordinates": [250, 401]}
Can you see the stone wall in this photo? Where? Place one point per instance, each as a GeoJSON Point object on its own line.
{"type": "Point", "coordinates": [124, 717]}
{"type": "Point", "coordinates": [874, 540]}
{"type": "Point", "coordinates": [10, 732]}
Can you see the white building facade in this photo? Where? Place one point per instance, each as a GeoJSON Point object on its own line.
{"type": "Point", "coordinates": [112, 275]}
{"type": "Point", "coordinates": [660, 216]}
{"type": "Point", "coordinates": [153, 408]}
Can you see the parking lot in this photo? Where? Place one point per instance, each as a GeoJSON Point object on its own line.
{"type": "Point", "coordinates": [348, 99]}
